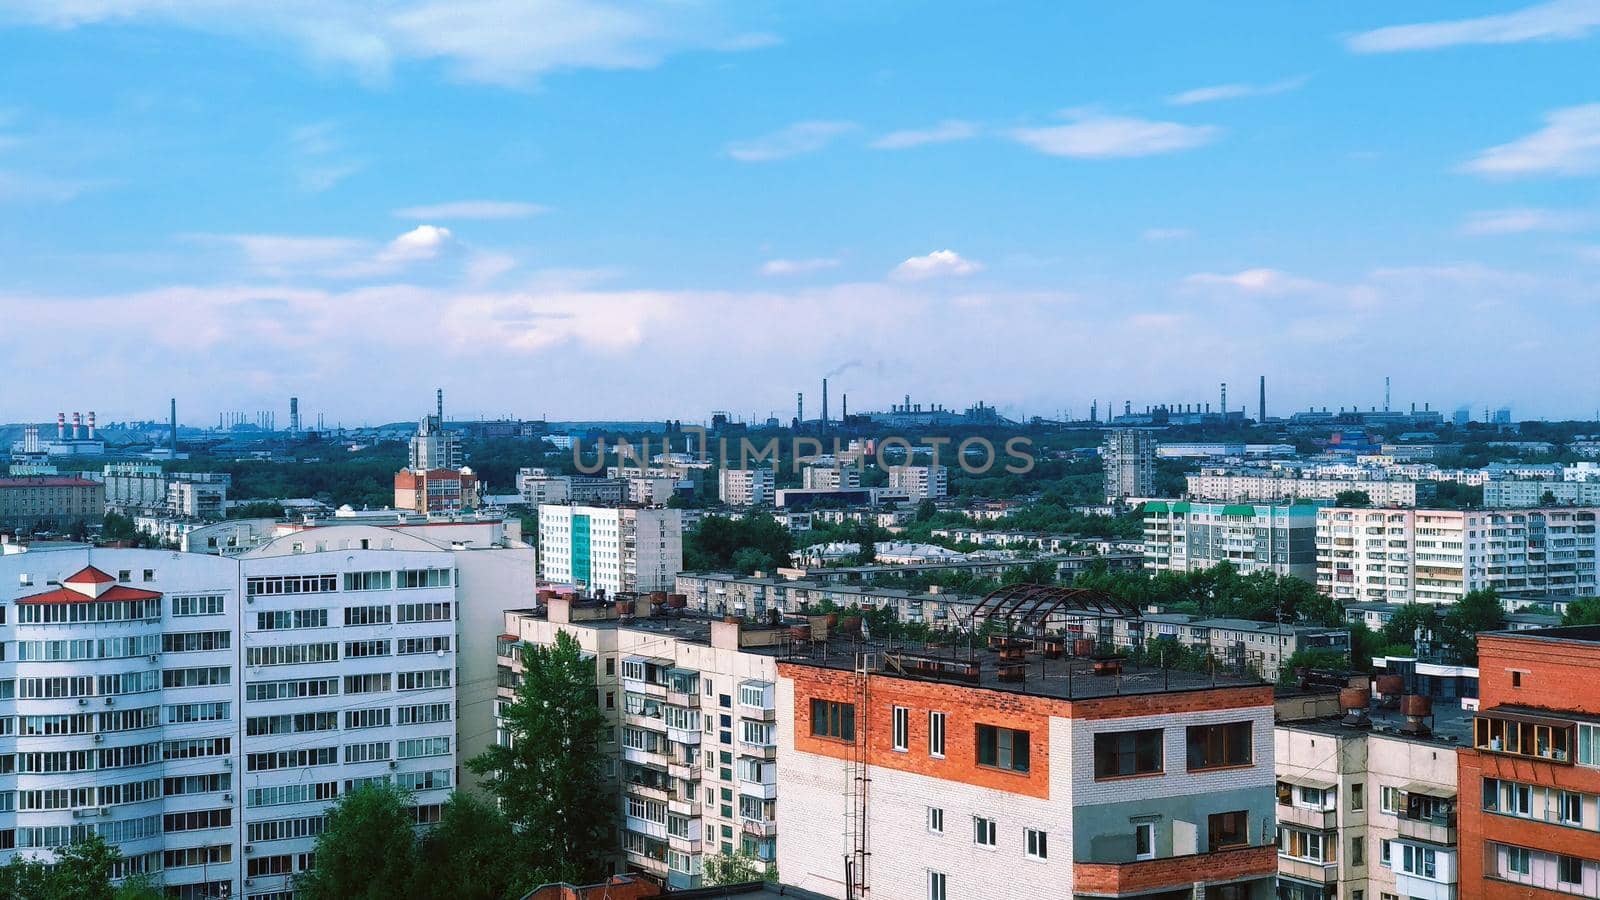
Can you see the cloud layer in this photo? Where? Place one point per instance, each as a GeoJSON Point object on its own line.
{"type": "Point", "coordinates": [1095, 136]}
{"type": "Point", "coordinates": [1559, 20]}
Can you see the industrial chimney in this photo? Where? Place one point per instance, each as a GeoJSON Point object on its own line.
{"type": "Point", "coordinates": [61, 426]}
{"type": "Point", "coordinates": [1262, 412]}
{"type": "Point", "coordinates": [438, 399]}
{"type": "Point", "coordinates": [91, 424]}
{"type": "Point", "coordinates": [844, 407]}
{"type": "Point", "coordinates": [77, 425]}
{"type": "Point", "coordinates": [824, 403]}
{"type": "Point", "coordinates": [1224, 405]}
{"type": "Point", "coordinates": [174, 427]}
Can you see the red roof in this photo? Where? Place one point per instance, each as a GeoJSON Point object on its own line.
{"type": "Point", "coordinates": [66, 595]}
{"type": "Point", "coordinates": [91, 575]}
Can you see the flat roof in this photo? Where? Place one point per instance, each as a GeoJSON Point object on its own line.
{"type": "Point", "coordinates": [1452, 725]}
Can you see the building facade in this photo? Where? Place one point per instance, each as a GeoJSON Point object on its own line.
{"type": "Point", "coordinates": [436, 491]}
{"type": "Point", "coordinates": [611, 549]}
{"type": "Point", "coordinates": [1519, 493]}
{"type": "Point", "coordinates": [52, 501]}
{"type": "Point", "coordinates": [201, 712]}
{"type": "Point", "coordinates": [1189, 536]}
{"type": "Point", "coordinates": [920, 482]}
{"type": "Point", "coordinates": [1252, 485]}
{"type": "Point", "coordinates": [746, 487]}
{"type": "Point", "coordinates": [951, 783]}
{"type": "Point", "coordinates": [1129, 457]}
{"type": "Point", "coordinates": [1440, 555]}
{"type": "Point", "coordinates": [830, 478]}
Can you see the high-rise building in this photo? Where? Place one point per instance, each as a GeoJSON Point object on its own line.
{"type": "Point", "coordinates": [614, 549]}
{"type": "Point", "coordinates": [1440, 555]}
{"type": "Point", "coordinates": [920, 482]}
{"type": "Point", "coordinates": [1129, 456]}
{"type": "Point", "coordinates": [1189, 536]}
{"type": "Point", "coordinates": [201, 712]}
{"type": "Point", "coordinates": [830, 478]}
{"type": "Point", "coordinates": [692, 713]}
{"type": "Point", "coordinates": [434, 446]}
{"type": "Point", "coordinates": [746, 487]}
{"type": "Point", "coordinates": [1530, 780]}
{"type": "Point", "coordinates": [435, 481]}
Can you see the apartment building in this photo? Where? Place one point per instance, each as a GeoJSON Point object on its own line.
{"type": "Point", "coordinates": [830, 478]}
{"type": "Point", "coordinates": [611, 549]}
{"type": "Point", "coordinates": [134, 486]}
{"type": "Point", "coordinates": [746, 487]}
{"type": "Point", "coordinates": [434, 491]}
{"type": "Point", "coordinates": [690, 702]}
{"type": "Point", "coordinates": [920, 482]}
{"type": "Point", "coordinates": [1440, 555]}
{"type": "Point", "coordinates": [199, 495]}
{"type": "Point", "coordinates": [50, 501]}
{"type": "Point", "coordinates": [1276, 485]}
{"type": "Point", "coordinates": [539, 486]}
{"type": "Point", "coordinates": [200, 712]}
{"type": "Point", "coordinates": [1367, 800]}
{"type": "Point", "coordinates": [1129, 456]}
{"type": "Point", "coordinates": [1520, 493]}
{"type": "Point", "coordinates": [1530, 789]}
{"type": "Point", "coordinates": [1189, 536]}
{"type": "Point", "coordinates": [435, 447]}
{"type": "Point", "coordinates": [942, 775]}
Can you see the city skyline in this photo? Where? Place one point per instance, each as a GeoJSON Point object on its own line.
{"type": "Point", "coordinates": [605, 211]}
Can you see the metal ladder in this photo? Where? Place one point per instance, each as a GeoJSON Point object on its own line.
{"type": "Point", "coordinates": [860, 781]}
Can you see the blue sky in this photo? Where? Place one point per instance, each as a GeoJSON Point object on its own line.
{"type": "Point", "coordinates": [588, 209]}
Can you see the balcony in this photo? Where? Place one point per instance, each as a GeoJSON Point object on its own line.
{"type": "Point", "coordinates": [642, 756]}
{"type": "Point", "coordinates": [763, 789]}
{"type": "Point", "coordinates": [758, 751]}
{"type": "Point", "coordinates": [1308, 870]}
{"type": "Point", "coordinates": [1306, 817]}
{"type": "Point", "coordinates": [1126, 879]}
{"type": "Point", "coordinates": [757, 713]}
{"type": "Point", "coordinates": [760, 827]}
{"type": "Point", "coordinates": [685, 771]}
{"type": "Point", "coordinates": [1434, 826]}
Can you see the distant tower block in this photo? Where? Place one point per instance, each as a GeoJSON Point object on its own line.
{"type": "Point", "coordinates": [1224, 404]}
{"type": "Point", "coordinates": [438, 399]}
{"type": "Point", "coordinates": [799, 407]}
{"type": "Point", "coordinates": [294, 413]}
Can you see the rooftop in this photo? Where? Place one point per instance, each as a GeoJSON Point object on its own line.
{"type": "Point", "coordinates": [1452, 725]}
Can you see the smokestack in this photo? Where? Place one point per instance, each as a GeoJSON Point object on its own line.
{"type": "Point", "coordinates": [1262, 412]}
{"type": "Point", "coordinates": [844, 407]}
{"type": "Point", "coordinates": [1224, 404]}
{"type": "Point", "coordinates": [174, 427]}
{"type": "Point", "coordinates": [91, 424]}
{"type": "Point", "coordinates": [61, 426]}
{"type": "Point", "coordinates": [438, 399]}
{"type": "Point", "coordinates": [294, 413]}
{"type": "Point", "coordinates": [1385, 393]}
{"type": "Point", "coordinates": [77, 425]}
{"type": "Point", "coordinates": [799, 408]}
{"type": "Point", "coordinates": [824, 403]}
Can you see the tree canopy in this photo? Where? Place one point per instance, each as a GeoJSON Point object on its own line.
{"type": "Point", "coordinates": [367, 850]}
{"type": "Point", "coordinates": [754, 543]}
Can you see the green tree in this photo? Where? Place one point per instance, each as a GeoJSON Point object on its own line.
{"type": "Point", "coordinates": [257, 509]}
{"type": "Point", "coordinates": [81, 871]}
{"type": "Point", "coordinates": [736, 868]}
{"type": "Point", "coordinates": [549, 781]}
{"type": "Point", "coordinates": [1312, 658]}
{"type": "Point", "coordinates": [1403, 625]}
{"type": "Point", "coordinates": [468, 855]}
{"type": "Point", "coordinates": [1478, 611]}
{"type": "Point", "coordinates": [926, 510]}
{"type": "Point", "coordinates": [1352, 498]}
{"type": "Point", "coordinates": [367, 850]}
{"type": "Point", "coordinates": [1582, 611]}
{"type": "Point", "coordinates": [716, 542]}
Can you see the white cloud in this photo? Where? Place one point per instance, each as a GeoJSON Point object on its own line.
{"type": "Point", "coordinates": [278, 254]}
{"type": "Point", "coordinates": [316, 157]}
{"type": "Point", "coordinates": [943, 133]}
{"type": "Point", "coordinates": [938, 264]}
{"type": "Point", "coordinates": [1519, 221]}
{"type": "Point", "coordinates": [1235, 91]}
{"type": "Point", "coordinates": [1568, 144]}
{"type": "Point", "coordinates": [472, 209]}
{"type": "Point", "coordinates": [795, 140]}
{"type": "Point", "coordinates": [421, 243]}
{"type": "Point", "coordinates": [1559, 20]}
{"type": "Point", "coordinates": [1264, 282]}
{"type": "Point", "coordinates": [1091, 135]}
{"type": "Point", "coordinates": [508, 42]}
{"type": "Point", "coordinates": [1156, 235]}
{"type": "Point", "coordinates": [797, 266]}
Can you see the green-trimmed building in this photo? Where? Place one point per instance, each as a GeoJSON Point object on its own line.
{"type": "Point", "coordinates": [1185, 536]}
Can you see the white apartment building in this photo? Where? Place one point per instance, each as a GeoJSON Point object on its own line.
{"type": "Point", "coordinates": [614, 549]}
{"type": "Point", "coordinates": [435, 447]}
{"type": "Point", "coordinates": [1129, 456]}
{"type": "Point", "coordinates": [830, 478]}
{"type": "Point", "coordinates": [134, 486]}
{"type": "Point", "coordinates": [202, 495]}
{"type": "Point", "coordinates": [691, 708]}
{"type": "Point", "coordinates": [200, 712]}
{"type": "Point", "coordinates": [746, 487]}
{"type": "Point", "coordinates": [1501, 494]}
{"type": "Point", "coordinates": [1257, 485]}
{"type": "Point", "coordinates": [920, 482]}
{"type": "Point", "coordinates": [1189, 536]}
{"type": "Point", "coordinates": [1440, 555]}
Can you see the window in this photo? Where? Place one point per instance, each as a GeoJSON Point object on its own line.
{"type": "Point", "coordinates": [936, 734]}
{"type": "Point", "coordinates": [1516, 679]}
{"type": "Point", "coordinates": [1219, 746]}
{"type": "Point", "coordinates": [832, 719]}
{"type": "Point", "coordinates": [1038, 844]}
{"type": "Point", "coordinates": [1358, 852]}
{"type": "Point", "coordinates": [1002, 748]}
{"type": "Point", "coordinates": [1227, 830]}
{"type": "Point", "coordinates": [936, 820]}
{"type": "Point", "coordinates": [1389, 799]}
{"type": "Point", "coordinates": [1519, 861]}
{"type": "Point", "coordinates": [983, 831]}
{"type": "Point", "coordinates": [1589, 745]}
{"type": "Point", "coordinates": [1571, 808]}
{"type": "Point", "coordinates": [936, 886]}
{"type": "Point", "coordinates": [1569, 870]}
{"type": "Point", "coordinates": [1385, 852]}
{"type": "Point", "coordinates": [1307, 845]}
{"type": "Point", "coordinates": [1418, 861]}
{"type": "Point", "coordinates": [1357, 796]}
{"type": "Point", "coordinates": [1118, 754]}
{"type": "Point", "coordinates": [1144, 840]}
{"type": "Point", "coordinates": [902, 728]}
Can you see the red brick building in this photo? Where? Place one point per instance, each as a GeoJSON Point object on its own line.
{"type": "Point", "coordinates": [1530, 784]}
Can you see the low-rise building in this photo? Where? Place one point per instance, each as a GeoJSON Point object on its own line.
{"type": "Point", "coordinates": [1276, 485]}
{"type": "Point", "coordinates": [50, 501]}
{"type": "Point", "coordinates": [436, 490]}
{"type": "Point", "coordinates": [1522, 493]}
